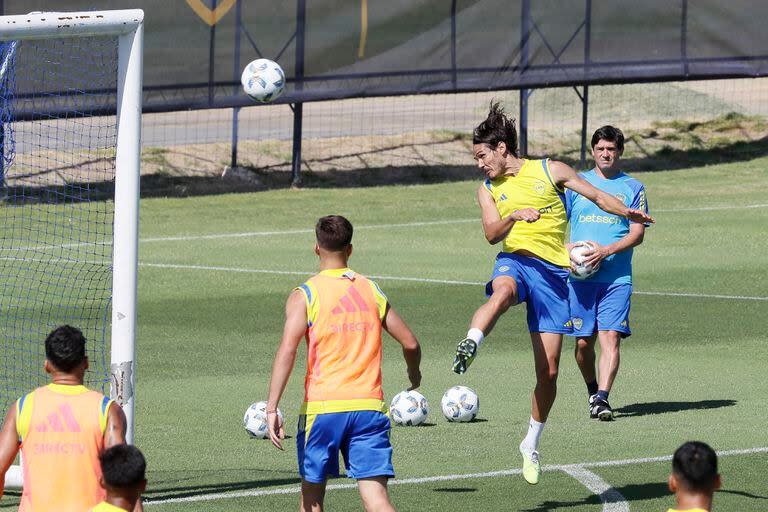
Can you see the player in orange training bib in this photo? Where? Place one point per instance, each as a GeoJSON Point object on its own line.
{"type": "Point", "coordinates": [341, 314]}
{"type": "Point", "coordinates": [61, 429]}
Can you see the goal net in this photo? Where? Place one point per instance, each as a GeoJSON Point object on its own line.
{"type": "Point", "coordinates": [70, 104]}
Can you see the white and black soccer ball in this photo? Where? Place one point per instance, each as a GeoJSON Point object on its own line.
{"type": "Point", "coordinates": [263, 80]}
{"type": "Point", "coordinates": [580, 270]}
{"type": "Point", "coordinates": [460, 404]}
{"type": "Point", "coordinates": [255, 420]}
{"type": "Point", "coordinates": [409, 408]}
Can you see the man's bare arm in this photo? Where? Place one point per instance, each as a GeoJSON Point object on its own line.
{"type": "Point", "coordinates": [117, 426]}
{"type": "Point", "coordinates": [282, 366]}
{"type": "Point", "coordinates": [9, 444]}
{"type": "Point", "coordinates": [564, 175]}
{"type": "Point", "coordinates": [399, 330]}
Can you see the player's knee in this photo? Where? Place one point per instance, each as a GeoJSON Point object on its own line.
{"type": "Point", "coordinates": [547, 375]}
{"type": "Point", "coordinates": [377, 501]}
{"type": "Point", "coordinates": [503, 297]}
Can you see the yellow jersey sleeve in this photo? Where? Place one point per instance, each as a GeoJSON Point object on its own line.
{"type": "Point", "coordinates": [104, 413]}
{"type": "Point", "coordinates": [24, 415]}
{"type": "Point", "coordinates": [381, 299]}
{"type": "Point", "coordinates": [310, 296]}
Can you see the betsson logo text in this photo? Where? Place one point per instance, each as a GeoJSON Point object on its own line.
{"type": "Point", "coordinates": [600, 219]}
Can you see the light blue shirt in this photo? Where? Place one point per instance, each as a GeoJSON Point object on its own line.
{"type": "Point", "coordinates": [589, 222]}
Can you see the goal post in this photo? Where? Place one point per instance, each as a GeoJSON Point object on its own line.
{"type": "Point", "coordinates": [37, 247]}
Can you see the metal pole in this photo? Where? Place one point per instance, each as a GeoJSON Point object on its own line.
{"type": "Point", "coordinates": [585, 96]}
{"type": "Point", "coordinates": [236, 71]}
{"type": "Point", "coordinates": [211, 57]}
{"type": "Point", "coordinates": [298, 108]}
{"type": "Point", "coordinates": [684, 37]}
{"type": "Point", "coordinates": [454, 73]}
{"type": "Point", "coordinates": [525, 33]}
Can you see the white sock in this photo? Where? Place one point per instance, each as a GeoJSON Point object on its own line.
{"type": "Point", "coordinates": [475, 335]}
{"type": "Point", "coordinates": [531, 441]}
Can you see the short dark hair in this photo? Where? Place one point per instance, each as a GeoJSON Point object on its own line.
{"type": "Point", "coordinates": [333, 232]}
{"type": "Point", "coordinates": [496, 128]}
{"type": "Point", "coordinates": [609, 133]}
{"type": "Point", "coordinates": [65, 348]}
{"type": "Point", "coordinates": [695, 466]}
{"type": "Point", "coordinates": [123, 466]}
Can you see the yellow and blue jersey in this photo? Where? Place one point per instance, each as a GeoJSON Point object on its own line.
{"type": "Point", "coordinates": [589, 222]}
{"type": "Point", "coordinates": [533, 187]}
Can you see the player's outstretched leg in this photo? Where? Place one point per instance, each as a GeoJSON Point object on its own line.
{"type": "Point", "coordinates": [503, 296]}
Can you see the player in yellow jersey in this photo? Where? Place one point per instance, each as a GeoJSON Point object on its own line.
{"type": "Point", "coordinates": [123, 468]}
{"type": "Point", "coordinates": [694, 477]}
{"type": "Point", "coordinates": [61, 429]}
{"type": "Point", "coordinates": [522, 204]}
{"type": "Point", "coordinates": [341, 314]}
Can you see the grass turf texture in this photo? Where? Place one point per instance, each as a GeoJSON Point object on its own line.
{"type": "Point", "coordinates": [690, 370]}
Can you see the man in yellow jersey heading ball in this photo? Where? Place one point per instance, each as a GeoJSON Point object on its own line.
{"type": "Point", "coordinates": [341, 314]}
{"type": "Point", "coordinates": [522, 204]}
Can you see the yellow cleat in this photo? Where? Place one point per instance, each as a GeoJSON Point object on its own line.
{"type": "Point", "coordinates": [531, 467]}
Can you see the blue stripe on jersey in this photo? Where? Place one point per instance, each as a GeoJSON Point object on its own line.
{"type": "Point", "coordinates": [21, 402]}
{"type": "Point", "coordinates": [487, 184]}
{"type": "Point", "coordinates": [104, 404]}
{"type": "Point", "coordinates": [308, 292]}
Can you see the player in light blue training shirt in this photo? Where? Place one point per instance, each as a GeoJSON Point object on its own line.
{"type": "Point", "coordinates": [600, 303]}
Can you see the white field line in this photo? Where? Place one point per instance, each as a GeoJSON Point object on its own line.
{"type": "Point", "coordinates": [401, 225]}
{"type": "Point", "coordinates": [612, 500]}
{"type": "Point", "coordinates": [419, 280]}
{"type": "Point", "coordinates": [567, 468]}
{"type": "Point", "coordinates": [251, 234]}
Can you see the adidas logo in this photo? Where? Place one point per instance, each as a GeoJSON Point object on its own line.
{"type": "Point", "coordinates": [351, 302]}
{"type": "Point", "coordinates": [61, 421]}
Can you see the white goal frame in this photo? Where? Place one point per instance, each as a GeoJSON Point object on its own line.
{"type": "Point", "coordinates": [128, 26]}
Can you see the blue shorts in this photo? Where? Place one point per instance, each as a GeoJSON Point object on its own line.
{"type": "Point", "coordinates": [542, 286]}
{"type": "Point", "coordinates": [599, 307]}
{"type": "Point", "coordinates": [361, 436]}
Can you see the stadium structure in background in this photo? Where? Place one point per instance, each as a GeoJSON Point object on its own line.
{"type": "Point", "coordinates": [334, 49]}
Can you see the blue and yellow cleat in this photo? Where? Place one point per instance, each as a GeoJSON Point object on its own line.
{"type": "Point", "coordinates": [531, 466]}
{"type": "Point", "coordinates": [465, 354]}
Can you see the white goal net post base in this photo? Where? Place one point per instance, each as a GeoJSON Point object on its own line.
{"type": "Point", "coordinates": [127, 28]}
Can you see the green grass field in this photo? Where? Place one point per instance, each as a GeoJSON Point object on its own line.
{"type": "Point", "coordinates": [215, 272]}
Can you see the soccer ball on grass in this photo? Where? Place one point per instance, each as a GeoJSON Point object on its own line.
{"type": "Point", "coordinates": [460, 404]}
{"type": "Point", "coordinates": [409, 408]}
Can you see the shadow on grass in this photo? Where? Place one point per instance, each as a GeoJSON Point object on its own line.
{"type": "Point", "coordinates": [455, 489]}
{"type": "Point", "coordinates": [631, 492]}
{"type": "Point", "coordinates": [645, 409]}
{"type": "Point", "coordinates": [166, 492]}
{"type": "Point", "coordinates": [255, 179]}
{"type": "Point", "coordinates": [742, 493]}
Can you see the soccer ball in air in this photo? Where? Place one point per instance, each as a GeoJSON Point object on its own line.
{"type": "Point", "coordinates": [263, 80]}
{"type": "Point", "coordinates": [255, 420]}
{"type": "Point", "coordinates": [460, 404]}
{"type": "Point", "coordinates": [580, 270]}
{"type": "Point", "coordinates": [409, 408]}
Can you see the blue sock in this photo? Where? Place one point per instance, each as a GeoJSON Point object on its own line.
{"type": "Point", "coordinates": [592, 387]}
{"type": "Point", "coordinates": [603, 394]}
